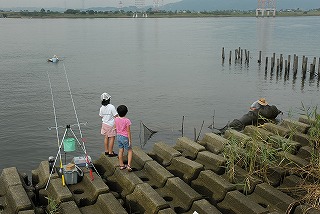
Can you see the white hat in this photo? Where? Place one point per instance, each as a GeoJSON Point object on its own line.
{"type": "Point", "coordinates": [105, 96]}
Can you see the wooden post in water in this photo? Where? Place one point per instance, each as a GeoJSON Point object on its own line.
{"type": "Point", "coordinates": [259, 61]}
{"type": "Point", "coordinates": [241, 55]}
{"type": "Point", "coordinates": [235, 55]}
{"type": "Point", "coordinates": [281, 62]}
{"type": "Point", "coordinates": [266, 68]}
{"type": "Point", "coordinates": [314, 63]}
{"type": "Point", "coordinates": [304, 66]}
{"type": "Point", "coordinates": [289, 59]}
{"type": "Point", "coordinates": [222, 55]}
{"type": "Point", "coordinates": [245, 55]}
{"type": "Point", "coordinates": [296, 62]}
{"type": "Point", "coordinates": [312, 71]}
{"type": "Point", "coordinates": [230, 57]}
{"type": "Point", "coordinates": [239, 52]}
{"type": "Point", "coordinates": [319, 68]}
{"type": "Point", "coordinates": [273, 61]}
{"type": "Point", "coordinates": [286, 67]}
{"type": "Point", "coordinates": [278, 65]}
{"type": "Point", "coordinates": [248, 57]}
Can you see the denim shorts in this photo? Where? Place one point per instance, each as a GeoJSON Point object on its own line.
{"type": "Point", "coordinates": [123, 142]}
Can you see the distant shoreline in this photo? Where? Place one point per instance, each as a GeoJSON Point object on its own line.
{"type": "Point", "coordinates": [117, 14]}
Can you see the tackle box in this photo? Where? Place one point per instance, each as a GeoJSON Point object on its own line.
{"type": "Point", "coordinates": [81, 161]}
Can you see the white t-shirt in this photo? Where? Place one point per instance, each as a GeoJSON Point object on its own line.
{"type": "Point", "coordinates": [107, 113]}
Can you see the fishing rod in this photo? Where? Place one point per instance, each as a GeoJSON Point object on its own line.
{"type": "Point", "coordinates": [89, 164]}
{"type": "Point", "coordinates": [57, 135]}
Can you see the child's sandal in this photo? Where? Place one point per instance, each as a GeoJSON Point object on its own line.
{"type": "Point", "coordinates": [123, 167]}
{"type": "Point", "coordinates": [129, 168]}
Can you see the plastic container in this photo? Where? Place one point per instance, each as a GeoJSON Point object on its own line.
{"type": "Point", "coordinates": [69, 145]}
{"type": "Point", "coordinates": [81, 161]}
{"type": "Point", "coordinates": [72, 176]}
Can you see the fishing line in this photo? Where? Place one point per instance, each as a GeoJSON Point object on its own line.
{"type": "Point", "coordinates": [57, 134]}
{"type": "Point", "coordinates": [88, 161]}
{"type": "Point", "coordinates": [74, 107]}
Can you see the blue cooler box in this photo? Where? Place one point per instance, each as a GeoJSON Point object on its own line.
{"type": "Point", "coordinates": [70, 176]}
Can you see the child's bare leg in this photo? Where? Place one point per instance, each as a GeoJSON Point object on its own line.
{"type": "Point", "coordinates": [111, 143]}
{"type": "Point", "coordinates": [129, 156]}
{"type": "Point", "coordinates": [106, 144]}
{"type": "Point", "coordinates": [121, 157]}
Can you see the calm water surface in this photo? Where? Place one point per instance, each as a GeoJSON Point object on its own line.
{"type": "Point", "coordinates": [162, 69]}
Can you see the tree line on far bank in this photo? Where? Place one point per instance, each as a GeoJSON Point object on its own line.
{"type": "Point", "coordinates": [150, 11]}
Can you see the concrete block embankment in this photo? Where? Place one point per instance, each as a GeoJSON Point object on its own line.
{"type": "Point", "coordinates": [182, 178]}
{"type": "Point", "coordinates": [14, 198]}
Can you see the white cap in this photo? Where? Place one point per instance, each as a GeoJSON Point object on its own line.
{"type": "Point", "coordinates": [105, 96]}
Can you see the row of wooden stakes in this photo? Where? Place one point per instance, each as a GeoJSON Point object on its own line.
{"type": "Point", "coordinates": [277, 64]}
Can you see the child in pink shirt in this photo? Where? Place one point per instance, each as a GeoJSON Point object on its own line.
{"type": "Point", "coordinates": [123, 136]}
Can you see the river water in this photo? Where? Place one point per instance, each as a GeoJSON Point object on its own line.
{"type": "Point", "coordinates": [162, 69]}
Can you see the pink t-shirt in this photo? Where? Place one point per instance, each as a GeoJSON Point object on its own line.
{"type": "Point", "coordinates": [122, 124]}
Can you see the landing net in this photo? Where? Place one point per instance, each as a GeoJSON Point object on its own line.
{"type": "Point", "coordinates": [146, 135]}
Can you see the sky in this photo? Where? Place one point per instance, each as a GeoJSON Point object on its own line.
{"type": "Point", "coordinates": [74, 4]}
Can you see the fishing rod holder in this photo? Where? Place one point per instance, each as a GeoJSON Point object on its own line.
{"type": "Point", "coordinates": [68, 126]}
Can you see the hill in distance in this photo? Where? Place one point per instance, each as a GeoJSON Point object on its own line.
{"type": "Point", "coordinates": [213, 5]}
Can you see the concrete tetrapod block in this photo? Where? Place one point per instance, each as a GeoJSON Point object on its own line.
{"type": "Point", "coordinates": [233, 134]}
{"type": "Point", "coordinates": [185, 169]}
{"type": "Point", "coordinates": [203, 207]}
{"type": "Point", "coordinates": [284, 143]}
{"type": "Point", "coordinates": [213, 142]}
{"type": "Point", "coordinates": [9, 177]}
{"type": "Point", "coordinates": [154, 174]}
{"type": "Point", "coordinates": [188, 148]}
{"type": "Point", "coordinates": [14, 198]}
{"type": "Point", "coordinates": [270, 197]}
{"type": "Point", "coordinates": [179, 195]}
{"type": "Point", "coordinates": [58, 192]}
{"type": "Point", "coordinates": [106, 203]}
{"type": "Point", "coordinates": [292, 186]}
{"type": "Point", "coordinates": [167, 211]}
{"type": "Point", "coordinates": [212, 161]}
{"type": "Point", "coordinates": [276, 129]}
{"type": "Point", "coordinates": [106, 165]}
{"type": "Point", "coordinates": [139, 158]}
{"type": "Point", "coordinates": [257, 133]}
{"type": "Point", "coordinates": [123, 182]}
{"type": "Point", "coordinates": [295, 126]}
{"type": "Point", "coordinates": [41, 175]}
{"type": "Point", "coordinates": [303, 139]}
{"type": "Point", "coordinates": [212, 186]}
{"type": "Point", "coordinates": [17, 200]}
{"type": "Point", "coordinates": [305, 152]}
{"type": "Point", "coordinates": [307, 120]}
{"type": "Point", "coordinates": [163, 153]}
{"type": "Point", "coordinates": [87, 191]}
{"type": "Point", "coordinates": [237, 203]}
{"type": "Point", "coordinates": [69, 207]}
{"type": "Point", "coordinates": [26, 212]}
{"type": "Point", "coordinates": [240, 175]}
{"type": "Point", "coordinates": [303, 209]}
{"type": "Point", "coordinates": [146, 200]}
{"type": "Point", "coordinates": [292, 160]}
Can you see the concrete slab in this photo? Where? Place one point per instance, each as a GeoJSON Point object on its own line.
{"type": "Point", "coordinates": [213, 142]}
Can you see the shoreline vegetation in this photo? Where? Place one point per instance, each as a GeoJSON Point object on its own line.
{"type": "Point", "coordinates": [72, 13]}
